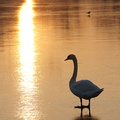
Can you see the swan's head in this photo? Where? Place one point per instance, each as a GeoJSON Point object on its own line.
{"type": "Point", "coordinates": [70, 57]}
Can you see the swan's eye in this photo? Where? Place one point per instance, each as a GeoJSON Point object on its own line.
{"type": "Point", "coordinates": [69, 57]}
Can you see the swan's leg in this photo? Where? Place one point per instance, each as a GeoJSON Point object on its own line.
{"type": "Point", "coordinates": [81, 104]}
{"type": "Point", "coordinates": [89, 103]}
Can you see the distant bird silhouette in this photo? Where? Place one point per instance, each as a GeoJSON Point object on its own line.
{"type": "Point", "coordinates": [84, 89]}
{"type": "Point", "coordinates": [88, 12]}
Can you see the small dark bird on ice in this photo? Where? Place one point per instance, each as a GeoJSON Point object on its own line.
{"type": "Point", "coordinates": [89, 12]}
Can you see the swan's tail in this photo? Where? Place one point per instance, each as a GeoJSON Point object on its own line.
{"type": "Point", "coordinates": [102, 89]}
{"type": "Point", "coordinates": [98, 92]}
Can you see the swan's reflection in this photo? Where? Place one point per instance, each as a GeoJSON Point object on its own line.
{"type": "Point", "coordinates": [85, 117]}
{"type": "Point", "coordinates": [89, 115]}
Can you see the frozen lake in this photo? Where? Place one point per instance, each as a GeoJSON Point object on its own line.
{"type": "Point", "coordinates": [35, 38]}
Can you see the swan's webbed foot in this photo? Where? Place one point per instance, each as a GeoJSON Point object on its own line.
{"type": "Point", "coordinates": [77, 106]}
{"type": "Point", "coordinates": [82, 107]}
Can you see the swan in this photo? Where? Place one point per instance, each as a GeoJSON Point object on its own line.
{"type": "Point", "coordinates": [84, 89]}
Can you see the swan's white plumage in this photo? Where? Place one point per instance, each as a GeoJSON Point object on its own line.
{"type": "Point", "coordinates": [84, 88]}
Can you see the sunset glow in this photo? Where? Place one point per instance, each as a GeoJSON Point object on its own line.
{"type": "Point", "coordinates": [27, 59]}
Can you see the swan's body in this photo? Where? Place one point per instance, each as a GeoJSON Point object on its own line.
{"type": "Point", "coordinates": [84, 89]}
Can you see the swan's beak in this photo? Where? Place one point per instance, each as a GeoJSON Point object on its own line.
{"type": "Point", "coordinates": [65, 59]}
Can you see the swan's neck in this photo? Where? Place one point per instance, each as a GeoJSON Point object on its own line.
{"type": "Point", "coordinates": [74, 76]}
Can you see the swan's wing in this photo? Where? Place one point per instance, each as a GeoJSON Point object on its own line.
{"type": "Point", "coordinates": [85, 89]}
{"type": "Point", "coordinates": [86, 85]}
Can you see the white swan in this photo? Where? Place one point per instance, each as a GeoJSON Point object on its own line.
{"type": "Point", "coordinates": [84, 89]}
